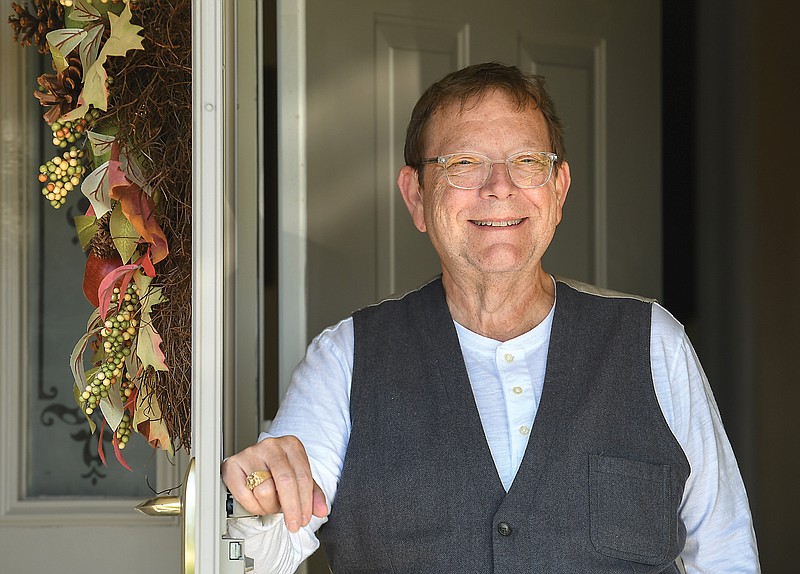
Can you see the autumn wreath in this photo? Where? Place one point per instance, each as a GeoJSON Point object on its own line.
{"type": "Point", "coordinates": [119, 106]}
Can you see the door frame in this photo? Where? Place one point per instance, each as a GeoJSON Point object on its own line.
{"type": "Point", "coordinates": [209, 193]}
{"type": "Point", "coordinates": [292, 283]}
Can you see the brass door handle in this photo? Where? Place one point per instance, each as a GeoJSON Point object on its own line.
{"type": "Point", "coordinates": [161, 506]}
{"type": "Point", "coordinates": [182, 506]}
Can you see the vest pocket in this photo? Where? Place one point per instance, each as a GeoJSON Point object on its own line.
{"type": "Point", "coordinates": [629, 505]}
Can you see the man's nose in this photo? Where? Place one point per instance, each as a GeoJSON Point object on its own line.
{"type": "Point", "coordinates": [499, 183]}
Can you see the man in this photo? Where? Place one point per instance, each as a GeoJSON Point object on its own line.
{"type": "Point", "coordinates": [496, 419]}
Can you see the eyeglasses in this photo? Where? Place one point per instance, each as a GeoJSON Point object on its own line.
{"type": "Point", "coordinates": [466, 170]}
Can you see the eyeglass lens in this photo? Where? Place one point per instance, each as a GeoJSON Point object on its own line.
{"type": "Point", "coordinates": [471, 171]}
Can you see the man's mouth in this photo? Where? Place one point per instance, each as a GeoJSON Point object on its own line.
{"type": "Point", "coordinates": [493, 223]}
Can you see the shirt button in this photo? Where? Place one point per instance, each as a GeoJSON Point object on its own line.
{"type": "Point", "coordinates": [508, 357]}
{"type": "Point", "coordinates": [523, 430]}
{"type": "Point", "coordinates": [517, 390]}
{"type": "Point", "coordinates": [504, 528]}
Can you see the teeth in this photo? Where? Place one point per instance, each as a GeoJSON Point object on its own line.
{"type": "Point", "coordinates": [499, 223]}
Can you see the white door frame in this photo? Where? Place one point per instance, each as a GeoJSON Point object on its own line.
{"type": "Point", "coordinates": [211, 104]}
{"type": "Point", "coordinates": [292, 288]}
{"type": "Point", "coordinates": [208, 266]}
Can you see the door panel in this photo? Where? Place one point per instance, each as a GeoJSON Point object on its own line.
{"type": "Point", "coordinates": [601, 62]}
{"type": "Point", "coordinates": [61, 510]}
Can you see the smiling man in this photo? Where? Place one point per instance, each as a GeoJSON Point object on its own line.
{"type": "Point", "coordinates": [496, 419]}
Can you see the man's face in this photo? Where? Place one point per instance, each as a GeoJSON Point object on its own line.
{"type": "Point", "coordinates": [498, 228]}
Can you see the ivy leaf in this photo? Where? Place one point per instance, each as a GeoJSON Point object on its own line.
{"type": "Point", "coordinates": [95, 187]}
{"type": "Point", "coordinates": [123, 234]}
{"type": "Point", "coordinates": [86, 226]}
{"type": "Point", "coordinates": [62, 41]}
{"type": "Point", "coordinates": [124, 35]}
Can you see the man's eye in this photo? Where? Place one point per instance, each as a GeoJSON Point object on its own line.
{"type": "Point", "coordinates": [464, 161]}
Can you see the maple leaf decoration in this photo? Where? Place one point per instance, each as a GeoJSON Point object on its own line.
{"type": "Point", "coordinates": [30, 29]}
{"type": "Point", "coordinates": [60, 91]}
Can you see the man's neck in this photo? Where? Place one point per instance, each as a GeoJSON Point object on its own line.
{"type": "Point", "coordinates": [501, 306]}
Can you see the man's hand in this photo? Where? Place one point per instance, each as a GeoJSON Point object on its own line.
{"type": "Point", "coordinates": [290, 489]}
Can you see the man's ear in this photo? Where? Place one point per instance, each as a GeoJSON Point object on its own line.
{"type": "Point", "coordinates": [408, 182]}
{"type": "Point", "coordinates": [562, 182]}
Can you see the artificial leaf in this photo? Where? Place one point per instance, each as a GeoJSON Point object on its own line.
{"type": "Point", "coordinates": [76, 393]}
{"type": "Point", "coordinates": [118, 452]}
{"type": "Point", "coordinates": [100, 452]}
{"type": "Point", "coordinates": [90, 45]}
{"type": "Point", "coordinates": [134, 173]}
{"type": "Point", "coordinates": [121, 274]}
{"type": "Point", "coordinates": [76, 357]}
{"type": "Point", "coordinates": [101, 144]}
{"type": "Point", "coordinates": [148, 341]}
{"type": "Point", "coordinates": [83, 11]}
{"type": "Point", "coordinates": [148, 348]}
{"type": "Point", "coordinates": [123, 234]}
{"type": "Point", "coordinates": [147, 264]}
{"type": "Point", "coordinates": [147, 420]}
{"type": "Point", "coordinates": [124, 36]}
{"type": "Point", "coordinates": [139, 209]}
{"type": "Point", "coordinates": [95, 90]}
{"type": "Point", "coordinates": [112, 407]}
{"type": "Point", "coordinates": [142, 282]}
{"type": "Point", "coordinates": [86, 226]}
{"type": "Point", "coordinates": [133, 367]}
{"type": "Point", "coordinates": [95, 187]}
{"type": "Point", "coordinates": [78, 112]}
{"type": "Point", "coordinates": [62, 41]}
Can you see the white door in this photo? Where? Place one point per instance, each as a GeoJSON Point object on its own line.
{"type": "Point", "coordinates": [60, 509]}
{"type": "Point", "coordinates": [367, 62]}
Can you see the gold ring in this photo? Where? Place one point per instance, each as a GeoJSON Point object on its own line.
{"type": "Point", "coordinates": [257, 477]}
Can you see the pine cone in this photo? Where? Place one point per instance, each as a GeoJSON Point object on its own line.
{"type": "Point", "coordinates": [102, 244]}
{"type": "Point", "coordinates": [29, 28]}
{"type": "Point", "coordinates": [60, 91]}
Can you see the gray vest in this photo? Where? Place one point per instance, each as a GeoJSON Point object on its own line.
{"type": "Point", "coordinates": [600, 483]}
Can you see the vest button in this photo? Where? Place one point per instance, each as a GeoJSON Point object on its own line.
{"type": "Point", "coordinates": [504, 529]}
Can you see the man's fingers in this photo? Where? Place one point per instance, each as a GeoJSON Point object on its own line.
{"type": "Point", "coordinates": [235, 478]}
{"type": "Point", "coordinates": [320, 506]}
{"type": "Point", "coordinates": [290, 473]}
{"type": "Point", "coordinates": [275, 476]}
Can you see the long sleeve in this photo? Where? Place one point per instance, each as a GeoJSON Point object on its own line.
{"type": "Point", "coordinates": [715, 510]}
{"type": "Point", "coordinates": [316, 409]}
